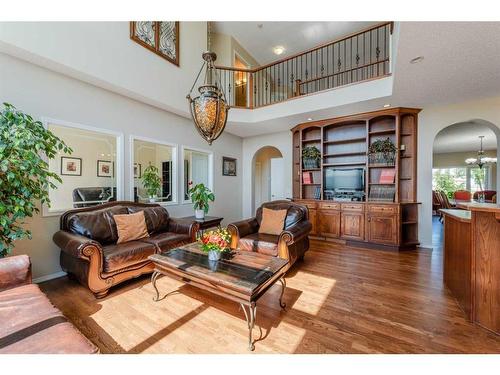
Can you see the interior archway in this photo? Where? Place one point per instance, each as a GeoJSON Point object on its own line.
{"type": "Point", "coordinates": [452, 145]}
{"type": "Point", "coordinates": [267, 176]}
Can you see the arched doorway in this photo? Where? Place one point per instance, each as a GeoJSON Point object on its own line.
{"type": "Point", "coordinates": [453, 179]}
{"type": "Point", "coordinates": [267, 176]}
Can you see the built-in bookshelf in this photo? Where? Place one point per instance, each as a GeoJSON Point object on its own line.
{"type": "Point", "coordinates": [344, 143]}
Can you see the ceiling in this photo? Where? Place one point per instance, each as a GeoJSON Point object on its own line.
{"type": "Point", "coordinates": [294, 36]}
{"type": "Point", "coordinates": [461, 61]}
{"type": "Point", "coordinates": [464, 137]}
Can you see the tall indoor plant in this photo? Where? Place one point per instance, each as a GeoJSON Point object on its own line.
{"type": "Point", "coordinates": [24, 173]}
{"type": "Point", "coordinates": [151, 181]}
{"type": "Point", "coordinates": [200, 196]}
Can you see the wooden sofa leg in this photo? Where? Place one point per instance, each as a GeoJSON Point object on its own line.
{"type": "Point", "coordinates": [101, 294]}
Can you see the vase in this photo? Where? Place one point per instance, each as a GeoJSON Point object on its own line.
{"type": "Point", "coordinates": [214, 255]}
{"type": "Point", "coordinates": [152, 199]}
{"type": "Point", "coordinates": [199, 214]}
{"type": "Point", "coordinates": [310, 163]}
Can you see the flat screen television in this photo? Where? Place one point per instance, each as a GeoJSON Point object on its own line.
{"type": "Point", "coordinates": [344, 179]}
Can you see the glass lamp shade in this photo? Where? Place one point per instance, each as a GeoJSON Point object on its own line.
{"type": "Point", "coordinates": [209, 112]}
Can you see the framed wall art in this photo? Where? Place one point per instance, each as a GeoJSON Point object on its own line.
{"type": "Point", "coordinates": [137, 170]}
{"type": "Point", "coordinates": [228, 166]}
{"type": "Point", "coordinates": [105, 168]}
{"type": "Point", "coordinates": [71, 166]}
{"type": "Point", "coordinates": [160, 37]}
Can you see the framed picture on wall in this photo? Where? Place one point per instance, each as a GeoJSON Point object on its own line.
{"type": "Point", "coordinates": [160, 37]}
{"type": "Point", "coordinates": [71, 166]}
{"type": "Point", "coordinates": [105, 168]}
{"type": "Point", "coordinates": [228, 166]}
{"type": "Point", "coordinates": [137, 170]}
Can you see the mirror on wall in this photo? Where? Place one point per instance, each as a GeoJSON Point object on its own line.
{"type": "Point", "coordinates": [88, 174]}
{"type": "Point", "coordinates": [154, 171]}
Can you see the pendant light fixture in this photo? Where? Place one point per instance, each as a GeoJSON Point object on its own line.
{"type": "Point", "coordinates": [209, 109]}
{"type": "Point", "coordinates": [480, 161]}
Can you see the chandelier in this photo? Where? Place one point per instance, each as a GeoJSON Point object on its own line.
{"type": "Point", "coordinates": [481, 160]}
{"type": "Point", "coordinates": [209, 109]}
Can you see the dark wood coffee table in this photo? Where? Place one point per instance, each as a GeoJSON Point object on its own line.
{"type": "Point", "coordinates": [242, 276]}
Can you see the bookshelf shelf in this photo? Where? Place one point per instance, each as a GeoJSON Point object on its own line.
{"type": "Point", "coordinates": [342, 141]}
{"type": "Point", "coordinates": [343, 164]}
{"type": "Point", "coordinates": [310, 169]}
{"type": "Point", "coordinates": [382, 132]}
{"type": "Point", "coordinates": [380, 166]}
{"type": "Point", "coordinates": [344, 154]}
{"type": "Point", "coordinates": [316, 183]}
{"type": "Point", "coordinates": [313, 140]}
{"type": "Point", "coordinates": [378, 183]}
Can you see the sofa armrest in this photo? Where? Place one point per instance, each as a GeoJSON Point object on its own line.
{"type": "Point", "coordinates": [15, 271]}
{"type": "Point", "coordinates": [296, 233]}
{"type": "Point", "coordinates": [74, 244]}
{"type": "Point", "coordinates": [184, 227]}
{"type": "Point", "coordinates": [242, 229]}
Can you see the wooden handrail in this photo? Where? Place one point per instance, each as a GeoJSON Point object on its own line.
{"type": "Point", "coordinates": [254, 70]}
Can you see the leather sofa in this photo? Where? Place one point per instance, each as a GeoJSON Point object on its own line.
{"type": "Point", "coordinates": [29, 323]}
{"type": "Point", "coordinates": [291, 243]}
{"type": "Point", "coordinates": [89, 252]}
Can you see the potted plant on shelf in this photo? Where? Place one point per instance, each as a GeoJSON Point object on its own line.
{"type": "Point", "coordinates": [200, 196]}
{"type": "Point", "coordinates": [382, 151]}
{"type": "Point", "coordinates": [311, 157]}
{"type": "Point", "coordinates": [25, 178]}
{"type": "Point", "coordinates": [215, 242]}
{"type": "Point", "coordinates": [151, 181]}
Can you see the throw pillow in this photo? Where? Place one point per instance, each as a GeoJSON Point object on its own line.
{"type": "Point", "coordinates": [273, 221]}
{"type": "Point", "coordinates": [131, 227]}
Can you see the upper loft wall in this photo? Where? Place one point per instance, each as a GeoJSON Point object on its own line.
{"type": "Point", "coordinates": [102, 53]}
{"type": "Point", "coordinates": [225, 46]}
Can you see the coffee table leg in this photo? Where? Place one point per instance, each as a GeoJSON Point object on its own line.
{"type": "Point", "coordinates": [283, 286]}
{"type": "Point", "coordinates": [250, 317]}
{"type": "Point", "coordinates": [155, 276]}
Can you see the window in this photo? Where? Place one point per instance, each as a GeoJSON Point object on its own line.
{"type": "Point", "coordinates": [449, 180]}
{"type": "Point", "coordinates": [197, 168]}
{"type": "Point", "coordinates": [163, 158]}
{"type": "Point", "coordinates": [90, 175]}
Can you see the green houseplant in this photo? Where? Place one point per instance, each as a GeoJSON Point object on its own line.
{"type": "Point", "coordinates": [24, 173]}
{"type": "Point", "coordinates": [311, 156]}
{"type": "Point", "coordinates": [200, 196]}
{"type": "Point", "coordinates": [382, 151]}
{"type": "Point", "coordinates": [151, 181]}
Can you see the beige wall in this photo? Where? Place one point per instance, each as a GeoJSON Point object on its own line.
{"type": "Point", "coordinates": [44, 93]}
{"type": "Point", "coordinates": [225, 46]}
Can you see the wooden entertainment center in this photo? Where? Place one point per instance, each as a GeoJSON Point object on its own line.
{"type": "Point", "coordinates": [385, 214]}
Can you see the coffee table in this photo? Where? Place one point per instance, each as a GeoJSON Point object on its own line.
{"type": "Point", "coordinates": [241, 276]}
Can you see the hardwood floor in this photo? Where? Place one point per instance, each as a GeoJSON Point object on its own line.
{"type": "Point", "coordinates": [339, 300]}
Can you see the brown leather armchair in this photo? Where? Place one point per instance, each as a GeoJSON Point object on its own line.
{"type": "Point", "coordinates": [89, 252]}
{"type": "Point", "coordinates": [291, 244]}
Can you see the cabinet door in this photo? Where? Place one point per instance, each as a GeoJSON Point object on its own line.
{"type": "Point", "coordinates": [383, 229]}
{"type": "Point", "coordinates": [328, 223]}
{"type": "Point", "coordinates": [353, 225]}
{"type": "Point", "coordinates": [313, 215]}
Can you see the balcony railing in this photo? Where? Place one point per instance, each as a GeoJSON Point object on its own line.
{"type": "Point", "coordinates": [355, 58]}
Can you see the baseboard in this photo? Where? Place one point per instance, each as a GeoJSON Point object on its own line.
{"type": "Point", "coordinates": [41, 279]}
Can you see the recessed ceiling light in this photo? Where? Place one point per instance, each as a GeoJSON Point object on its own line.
{"type": "Point", "coordinates": [416, 59]}
{"type": "Point", "coordinates": [387, 105]}
{"type": "Point", "coordinates": [309, 119]}
{"type": "Point", "coordinates": [278, 50]}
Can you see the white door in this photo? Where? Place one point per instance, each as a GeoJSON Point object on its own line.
{"type": "Point", "coordinates": [277, 179]}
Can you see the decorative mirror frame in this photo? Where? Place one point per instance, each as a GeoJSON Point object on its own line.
{"type": "Point", "coordinates": [156, 47]}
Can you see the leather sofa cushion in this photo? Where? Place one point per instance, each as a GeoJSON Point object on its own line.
{"type": "Point", "coordinates": [97, 225]}
{"type": "Point", "coordinates": [295, 212]}
{"type": "Point", "coordinates": [261, 243]}
{"type": "Point", "coordinates": [118, 256]}
{"type": "Point", "coordinates": [273, 221]}
{"type": "Point", "coordinates": [26, 313]}
{"type": "Point", "coordinates": [156, 218]}
{"type": "Point", "coordinates": [168, 240]}
{"type": "Point", "coordinates": [131, 227]}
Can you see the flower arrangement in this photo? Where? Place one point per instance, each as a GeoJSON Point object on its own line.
{"type": "Point", "coordinates": [215, 242]}
{"type": "Point", "coordinates": [311, 156]}
{"type": "Point", "coordinates": [382, 151]}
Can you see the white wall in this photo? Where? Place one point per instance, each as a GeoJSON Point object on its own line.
{"type": "Point", "coordinates": [103, 54]}
{"type": "Point", "coordinates": [43, 93]}
{"type": "Point", "coordinates": [283, 142]}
